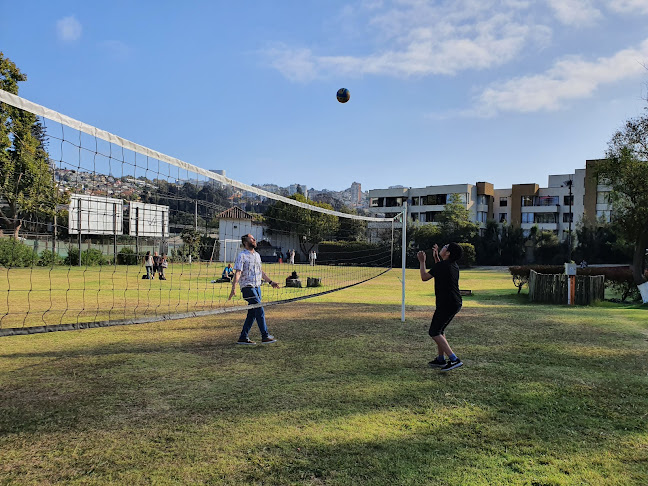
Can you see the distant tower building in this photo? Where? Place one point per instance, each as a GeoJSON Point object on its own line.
{"type": "Point", "coordinates": [219, 172]}
{"type": "Point", "coordinates": [356, 193]}
{"type": "Point", "coordinates": [292, 189]}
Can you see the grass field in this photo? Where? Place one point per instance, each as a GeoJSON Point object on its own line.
{"type": "Point", "coordinates": [70, 295]}
{"type": "Point", "coordinates": [548, 396]}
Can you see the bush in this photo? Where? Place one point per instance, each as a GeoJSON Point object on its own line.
{"type": "Point", "coordinates": [127, 256]}
{"type": "Point", "coordinates": [347, 253]}
{"type": "Point", "coordinates": [14, 253]}
{"type": "Point", "coordinates": [89, 258]}
{"type": "Point", "coordinates": [468, 256]}
{"type": "Point", "coordinates": [48, 259]}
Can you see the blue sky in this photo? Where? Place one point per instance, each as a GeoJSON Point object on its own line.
{"type": "Point", "coordinates": [442, 92]}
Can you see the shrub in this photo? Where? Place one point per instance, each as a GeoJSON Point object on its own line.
{"type": "Point", "coordinates": [89, 258]}
{"type": "Point", "coordinates": [48, 259]}
{"type": "Point", "coordinates": [127, 256]}
{"type": "Point", "coordinates": [14, 253]}
{"type": "Point", "coordinates": [347, 253]}
{"type": "Point", "coordinates": [468, 256]}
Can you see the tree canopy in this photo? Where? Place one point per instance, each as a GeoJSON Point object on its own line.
{"type": "Point", "coordinates": [26, 180]}
{"type": "Point", "coordinates": [625, 170]}
{"type": "Point", "coordinates": [311, 227]}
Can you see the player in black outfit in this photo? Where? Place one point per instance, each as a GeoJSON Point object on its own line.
{"type": "Point", "coordinates": [445, 272]}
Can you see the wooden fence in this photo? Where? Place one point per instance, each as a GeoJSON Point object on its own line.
{"type": "Point", "coordinates": [552, 288]}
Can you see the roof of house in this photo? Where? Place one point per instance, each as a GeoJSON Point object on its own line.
{"type": "Point", "coordinates": [235, 213]}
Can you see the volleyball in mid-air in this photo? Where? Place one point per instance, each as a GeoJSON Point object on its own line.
{"type": "Point", "coordinates": [343, 95]}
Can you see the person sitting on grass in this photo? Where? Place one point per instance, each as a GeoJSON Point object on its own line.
{"type": "Point", "coordinates": [228, 273]}
{"type": "Point", "coordinates": [445, 272]}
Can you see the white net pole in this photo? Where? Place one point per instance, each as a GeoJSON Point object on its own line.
{"type": "Point", "coordinates": [404, 256]}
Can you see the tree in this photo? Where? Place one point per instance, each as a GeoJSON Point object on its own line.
{"type": "Point", "coordinates": [512, 244]}
{"type": "Point", "coordinates": [311, 227]}
{"type": "Point", "coordinates": [26, 180]}
{"type": "Point", "coordinates": [454, 222]}
{"type": "Point", "coordinates": [351, 229]}
{"type": "Point", "coordinates": [488, 245]}
{"type": "Point", "coordinates": [625, 170]}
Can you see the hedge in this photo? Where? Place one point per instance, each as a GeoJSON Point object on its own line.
{"type": "Point", "coordinates": [348, 253]}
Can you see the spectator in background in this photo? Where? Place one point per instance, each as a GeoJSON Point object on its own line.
{"type": "Point", "coordinates": [148, 264]}
{"type": "Point", "coordinates": [228, 273]}
{"type": "Point", "coordinates": [163, 266]}
{"type": "Point", "coordinates": [156, 263]}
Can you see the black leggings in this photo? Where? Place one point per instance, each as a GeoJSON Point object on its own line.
{"type": "Point", "coordinates": [441, 318]}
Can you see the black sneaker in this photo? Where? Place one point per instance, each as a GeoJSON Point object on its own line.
{"type": "Point", "coordinates": [437, 364]}
{"type": "Point", "coordinates": [452, 364]}
{"type": "Point", "coordinates": [268, 339]}
{"type": "Point", "coordinates": [246, 341]}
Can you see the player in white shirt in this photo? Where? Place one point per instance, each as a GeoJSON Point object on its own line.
{"type": "Point", "coordinates": [248, 273]}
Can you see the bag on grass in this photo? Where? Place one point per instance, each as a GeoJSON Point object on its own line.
{"type": "Point", "coordinates": [145, 277]}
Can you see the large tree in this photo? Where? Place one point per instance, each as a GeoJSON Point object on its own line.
{"type": "Point", "coordinates": [310, 226]}
{"type": "Point", "coordinates": [27, 183]}
{"type": "Point", "coordinates": [454, 222]}
{"type": "Point", "coordinates": [625, 170]}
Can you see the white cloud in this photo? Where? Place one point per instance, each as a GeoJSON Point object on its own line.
{"type": "Point", "coordinates": [419, 38]}
{"type": "Point", "coordinates": [629, 6]}
{"type": "Point", "coordinates": [68, 29]}
{"type": "Point", "coordinates": [575, 12]}
{"type": "Point", "coordinates": [116, 50]}
{"type": "Point", "coordinates": [569, 79]}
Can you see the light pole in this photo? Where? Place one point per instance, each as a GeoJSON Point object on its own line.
{"type": "Point", "coordinates": [569, 183]}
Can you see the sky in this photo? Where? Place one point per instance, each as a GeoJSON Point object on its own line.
{"type": "Point", "coordinates": [442, 92]}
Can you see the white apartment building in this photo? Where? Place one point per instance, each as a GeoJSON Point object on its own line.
{"type": "Point", "coordinates": [526, 205]}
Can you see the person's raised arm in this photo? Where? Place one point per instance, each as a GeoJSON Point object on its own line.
{"type": "Point", "coordinates": [435, 253]}
{"type": "Point", "coordinates": [425, 276]}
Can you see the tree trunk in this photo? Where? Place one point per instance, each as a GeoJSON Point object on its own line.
{"type": "Point", "coordinates": [639, 257]}
{"type": "Point", "coordinates": [17, 230]}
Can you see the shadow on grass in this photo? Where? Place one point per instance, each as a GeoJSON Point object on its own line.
{"type": "Point", "coordinates": [344, 397]}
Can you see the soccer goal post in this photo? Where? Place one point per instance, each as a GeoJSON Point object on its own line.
{"type": "Point", "coordinates": [100, 231]}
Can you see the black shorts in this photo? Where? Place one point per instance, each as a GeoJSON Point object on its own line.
{"type": "Point", "coordinates": [441, 318]}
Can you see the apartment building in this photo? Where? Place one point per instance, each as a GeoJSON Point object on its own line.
{"type": "Point", "coordinates": [567, 199]}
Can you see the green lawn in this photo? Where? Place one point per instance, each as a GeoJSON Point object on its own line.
{"type": "Point", "coordinates": [69, 295]}
{"type": "Point", "coordinates": [548, 396]}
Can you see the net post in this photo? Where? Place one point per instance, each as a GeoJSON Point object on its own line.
{"type": "Point", "coordinates": [403, 256]}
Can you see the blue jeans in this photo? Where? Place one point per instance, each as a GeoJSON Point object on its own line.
{"type": "Point", "coordinates": [253, 296]}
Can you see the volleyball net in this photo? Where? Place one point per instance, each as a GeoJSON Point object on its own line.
{"type": "Point", "coordinates": [101, 231]}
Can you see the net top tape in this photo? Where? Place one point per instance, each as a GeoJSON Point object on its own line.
{"type": "Point", "coordinates": [23, 104]}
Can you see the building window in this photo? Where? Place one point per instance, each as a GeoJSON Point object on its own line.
{"type": "Point", "coordinates": [502, 217]}
{"type": "Point", "coordinates": [604, 216]}
{"type": "Point", "coordinates": [462, 198]}
{"type": "Point", "coordinates": [503, 202]}
{"type": "Point", "coordinates": [527, 217]}
{"type": "Point", "coordinates": [415, 201]}
{"type": "Point", "coordinates": [568, 217]}
{"type": "Point", "coordinates": [568, 200]}
{"type": "Point", "coordinates": [546, 201]}
{"type": "Point", "coordinates": [391, 202]}
{"type": "Point", "coordinates": [482, 199]}
{"type": "Point", "coordinates": [431, 216]}
{"type": "Point", "coordinates": [603, 197]}
{"type": "Point", "coordinates": [527, 201]}
{"type": "Point", "coordinates": [434, 200]}
{"type": "Point", "coordinates": [374, 202]}
{"type": "Point", "coordinates": [481, 216]}
{"type": "Point", "coordinates": [546, 218]}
